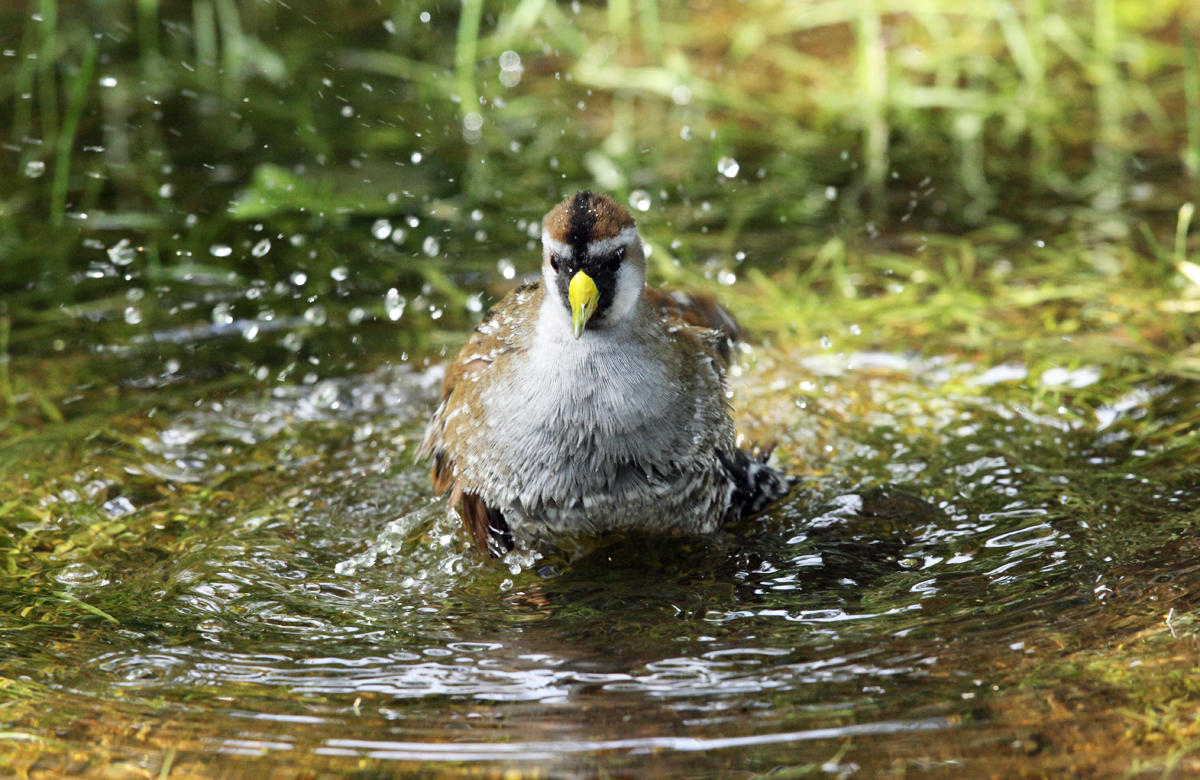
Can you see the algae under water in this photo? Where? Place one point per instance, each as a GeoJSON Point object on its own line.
{"type": "Point", "coordinates": [237, 257]}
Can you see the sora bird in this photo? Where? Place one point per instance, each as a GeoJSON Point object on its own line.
{"type": "Point", "coordinates": [586, 402]}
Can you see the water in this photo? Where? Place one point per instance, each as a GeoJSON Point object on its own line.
{"type": "Point", "coordinates": [265, 575]}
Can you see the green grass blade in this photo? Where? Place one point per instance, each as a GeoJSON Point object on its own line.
{"type": "Point", "coordinates": [66, 138]}
{"type": "Point", "coordinates": [465, 54]}
{"type": "Point", "coordinates": [651, 28]}
{"type": "Point", "coordinates": [47, 60]}
{"type": "Point", "coordinates": [1191, 99]}
{"type": "Point", "coordinates": [872, 76]}
{"type": "Point", "coordinates": [86, 607]}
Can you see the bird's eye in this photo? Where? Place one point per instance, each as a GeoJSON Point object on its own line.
{"type": "Point", "coordinates": [614, 260]}
{"type": "Point", "coordinates": [554, 262]}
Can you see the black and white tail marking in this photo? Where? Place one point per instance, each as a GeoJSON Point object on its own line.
{"type": "Point", "coordinates": [756, 484]}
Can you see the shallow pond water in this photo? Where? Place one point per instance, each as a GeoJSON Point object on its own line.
{"type": "Point", "coordinates": [264, 576]}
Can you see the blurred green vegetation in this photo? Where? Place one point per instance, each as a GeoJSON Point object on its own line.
{"type": "Point", "coordinates": [934, 115]}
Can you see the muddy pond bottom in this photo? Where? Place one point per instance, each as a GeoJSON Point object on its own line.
{"type": "Point", "coordinates": [264, 584]}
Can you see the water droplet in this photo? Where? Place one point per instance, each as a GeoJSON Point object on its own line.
{"type": "Point", "coordinates": [35, 168]}
{"type": "Point", "coordinates": [347, 111]}
{"type": "Point", "coordinates": [416, 158]}
{"type": "Point", "coordinates": [831, 193]}
{"type": "Point", "coordinates": [506, 268]}
{"type": "Point", "coordinates": [476, 215]}
{"type": "Point", "coordinates": [381, 229]}
{"type": "Point", "coordinates": [685, 133]}
{"type": "Point", "coordinates": [261, 248]}
{"type": "Point", "coordinates": [640, 200]}
{"type": "Point", "coordinates": [475, 303]}
{"type": "Point", "coordinates": [250, 333]}
{"type": "Point", "coordinates": [425, 17]}
{"type": "Point", "coordinates": [221, 314]}
{"type": "Point", "coordinates": [80, 573]}
{"type": "Point", "coordinates": [430, 246]}
{"type": "Point", "coordinates": [394, 303]}
{"type": "Point", "coordinates": [172, 366]}
{"type": "Point", "coordinates": [510, 60]}
{"type": "Point", "coordinates": [292, 342]}
{"type": "Point", "coordinates": [133, 315]}
{"type": "Point", "coordinates": [122, 253]}
{"type": "Point", "coordinates": [220, 250]}
{"type": "Point", "coordinates": [324, 395]}
{"type": "Point", "coordinates": [728, 167]}
{"type": "Point", "coordinates": [511, 69]}
{"type": "Point", "coordinates": [726, 277]}
{"type": "Point", "coordinates": [681, 95]}
{"type": "Point", "coordinates": [166, 190]}
{"type": "Point", "coordinates": [340, 274]}
{"type": "Point", "coordinates": [826, 342]}
{"type": "Point", "coordinates": [390, 26]}
{"type": "Point", "coordinates": [315, 315]}
{"type": "Point", "coordinates": [356, 315]}
{"type": "Point", "coordinates": [299, 278]}
{"type": "Point", "coordinates": [472, 125]}
{"type": "Point", "coordinates": [108, 82]}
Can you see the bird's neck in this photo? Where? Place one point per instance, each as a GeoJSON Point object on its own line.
{"type": "Point", "coordinates": [593, 378]}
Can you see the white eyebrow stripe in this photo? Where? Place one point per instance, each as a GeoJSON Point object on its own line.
{"type": "Point", "coordinates": [605, 245]}
{"type": "Point", "coordinates": [556, 247]}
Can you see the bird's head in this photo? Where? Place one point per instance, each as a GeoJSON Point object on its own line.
{"type": "Point", "coordinates": [592, 260]}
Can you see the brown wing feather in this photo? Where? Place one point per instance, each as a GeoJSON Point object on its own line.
{"type": "Point", "coordinates": [757, 485]}
{"type": "Point", "coordinates": [493, 337]}
{"type": "Point", "coordinates": [486, 525]}
{"type": "Point", "coordinates": [701, 311]}
{"type": "Point", "coordinates": [442, 473]}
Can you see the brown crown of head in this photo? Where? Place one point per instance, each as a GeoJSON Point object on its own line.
{"type": "Point", "coordinates": [585, 217]}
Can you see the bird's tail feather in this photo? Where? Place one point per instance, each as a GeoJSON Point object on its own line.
{"type": "Point", "coordinates": [756, 483]}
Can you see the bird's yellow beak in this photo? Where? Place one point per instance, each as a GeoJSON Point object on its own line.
{"type": "Point", "coordinates": [584, 297]}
